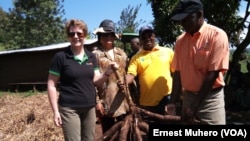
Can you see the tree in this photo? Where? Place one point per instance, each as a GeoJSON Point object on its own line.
{"type": "Point", "coordinates": [241, 44]}
{"type": "Point", "coordinates": [128, 21]}
{"type": "Point", "coordinates": [34, 23]}
{"type": "Point", "coordinates": [165, 30]}
{"type": "Point", "coordinates": [4, 20]}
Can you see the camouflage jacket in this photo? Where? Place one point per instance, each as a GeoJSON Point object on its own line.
{"type": "Point", "coordinates": [114, 101]}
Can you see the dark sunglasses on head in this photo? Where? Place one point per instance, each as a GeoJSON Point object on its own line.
{"type": "Point", "coordinates": [72, 34]}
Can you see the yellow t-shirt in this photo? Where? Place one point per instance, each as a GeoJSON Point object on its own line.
{"type": "Point", "coordinates": [154, 72]}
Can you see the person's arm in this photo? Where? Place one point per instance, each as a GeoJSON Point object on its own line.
{"type": "Point", "coordinates": [53, 97]}
{"type": "Point", "coordinates": [219, 57]}
{"type": "Point", "coordinates": [177, 87]}
{"type": "Point", "coordinates": [99, 78]}
{"type": "Point", "coordinates": [189, 113]}
{"type": "Point", "coordinates": [170, 108]}
{"type": "Point", "coordinates": [206, 87]}
{"type": "Point", "coordinates": [130, 78]}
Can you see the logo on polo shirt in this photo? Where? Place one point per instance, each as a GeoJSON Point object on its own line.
{"type": "Point", "coordinates": [89, 64]}
{"type": "Point", "coordinates": [205, 47]}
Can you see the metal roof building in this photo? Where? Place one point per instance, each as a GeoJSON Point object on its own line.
{"type": "Point", "coordinates": [28, 68]}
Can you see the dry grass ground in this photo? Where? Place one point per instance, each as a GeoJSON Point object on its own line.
{"type": "Point", "coordinates": [25, 117]}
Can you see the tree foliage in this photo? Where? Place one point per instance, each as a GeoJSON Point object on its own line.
{"type": "Point", "coordinates": [4, 20]}
{"type": "Point", "coordinates": [34, 23]}
{"type": "Point", "coordinates": [165, 29]}
{"type": "Point", "coordinates": [128, 21]}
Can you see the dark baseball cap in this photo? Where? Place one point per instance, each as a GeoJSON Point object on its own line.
{"type": "Point", "coordinates": [145, 28]}
{"type": "Point", "coordinates": [186, 7]}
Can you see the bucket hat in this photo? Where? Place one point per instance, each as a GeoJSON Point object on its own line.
{"type": "Point", "coordinates": [106, 26]}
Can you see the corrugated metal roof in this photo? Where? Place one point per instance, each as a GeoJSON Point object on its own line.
{"type": "Point", "coordinates": [48, 47]}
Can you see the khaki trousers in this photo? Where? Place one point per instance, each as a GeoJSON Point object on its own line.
{"type": "Point", "coordinates": [211, 110]}
{"type": "Point", "coordinates": [78, 124]}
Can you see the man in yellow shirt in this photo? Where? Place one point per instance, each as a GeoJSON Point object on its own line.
{"type": "Point", "coordinates": [152, 66]}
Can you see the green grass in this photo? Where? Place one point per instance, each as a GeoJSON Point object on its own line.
{"type": "Point", "coordinates": [244, 66]}
{"type": "Point", "coordinates": [243, 62]}
{"type": "Point", "coordinates": [21, 94]}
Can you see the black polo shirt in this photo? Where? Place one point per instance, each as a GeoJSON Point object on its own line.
{"type": "Point", "coordinates": [76, 79]}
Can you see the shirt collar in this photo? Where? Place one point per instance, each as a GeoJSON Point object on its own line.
{"type": "Point", "coordinates": [202, 27]}
{"type": "Point", "coordinates": [201, 30]}
{"type": "Point", "coordinates": [156, 47]}
{"type": "Point", "coordinates": [70, 54]}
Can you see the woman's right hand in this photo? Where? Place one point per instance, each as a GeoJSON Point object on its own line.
{"type": "Point", "coordinates": [57, 119]}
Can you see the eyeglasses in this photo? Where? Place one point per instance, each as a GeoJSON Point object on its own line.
{"type": "Point", "coordinates": [72, 34]}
